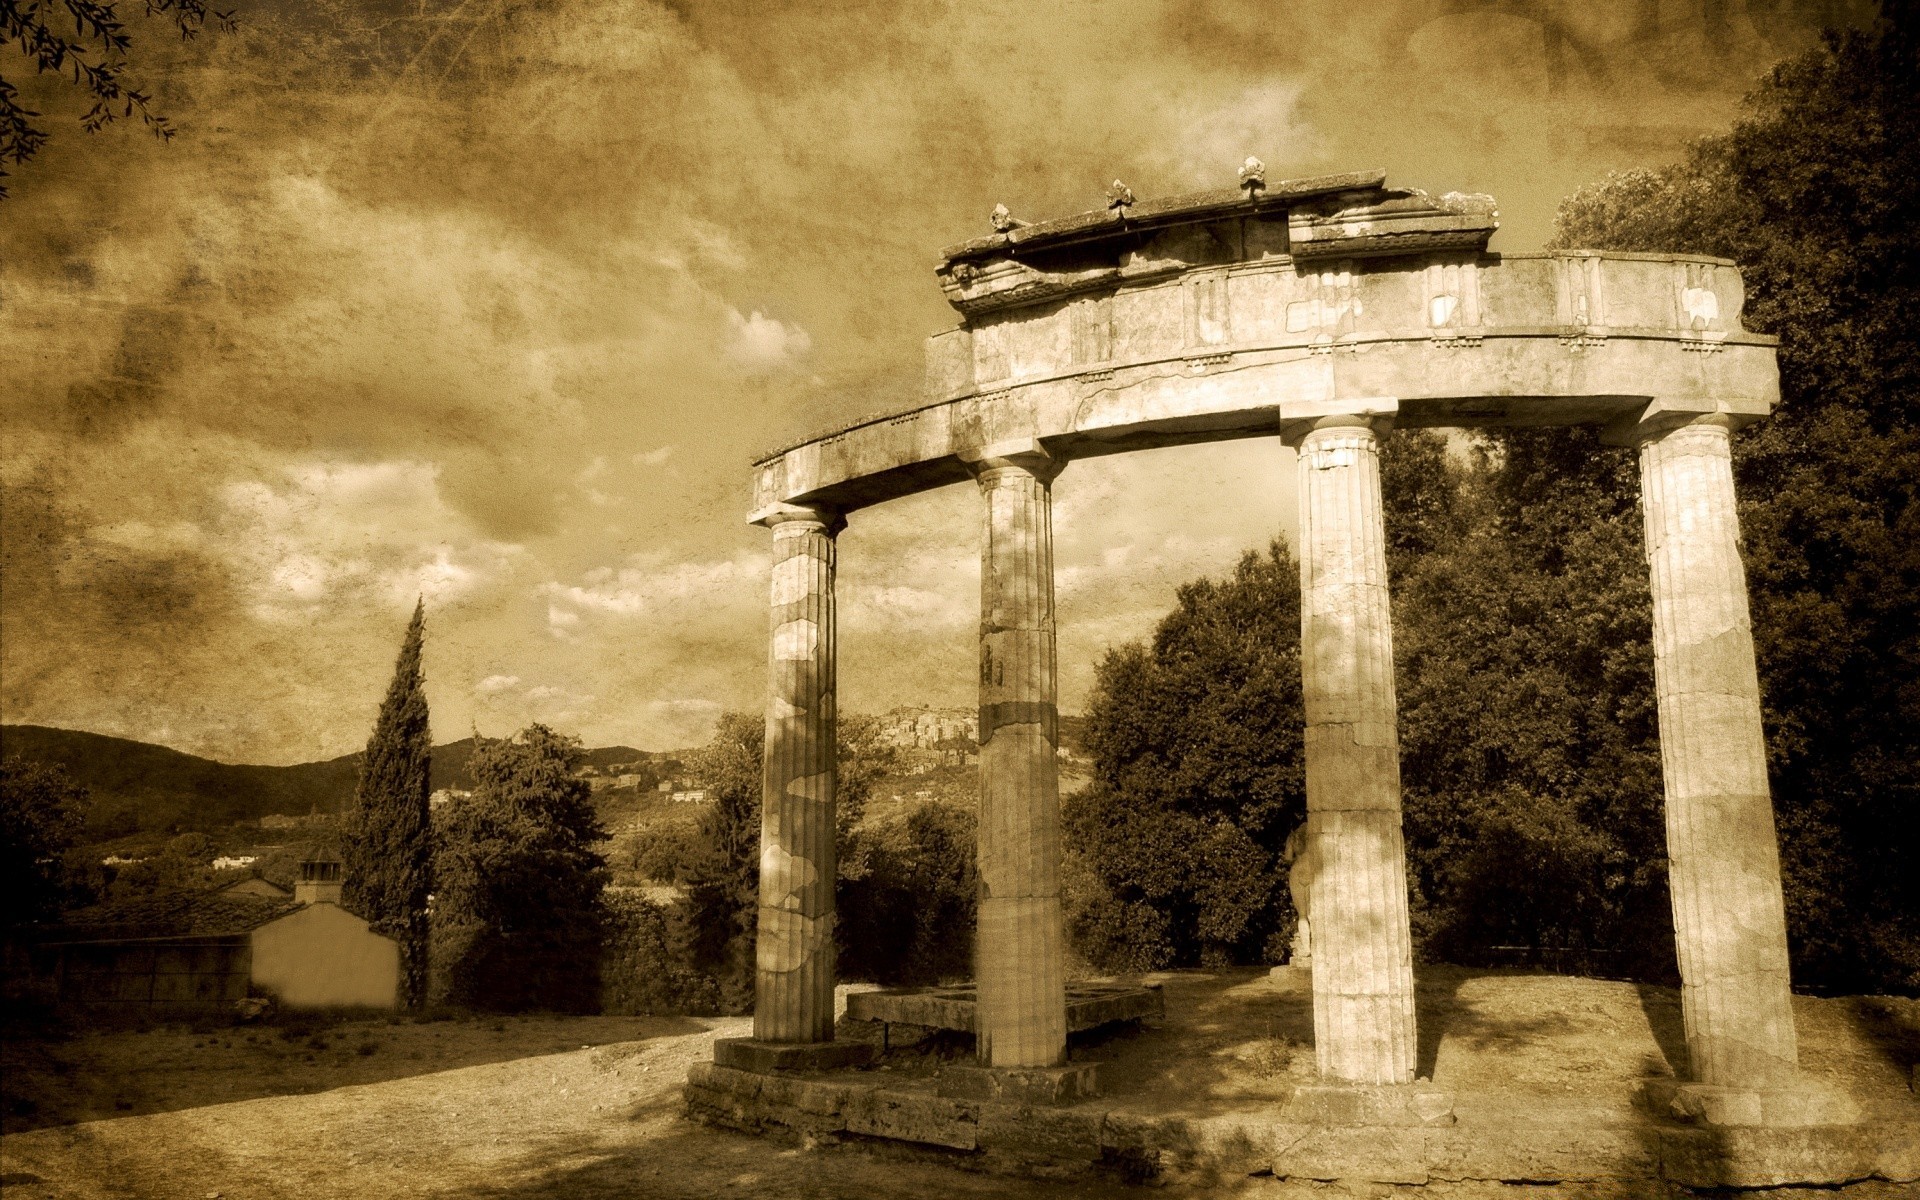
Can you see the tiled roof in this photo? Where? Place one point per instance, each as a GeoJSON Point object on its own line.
{"type": "Point", "coordinates": [175, 914]}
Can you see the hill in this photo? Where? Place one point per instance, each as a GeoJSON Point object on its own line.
{"type": "Point", "coordinates": [137, 786]}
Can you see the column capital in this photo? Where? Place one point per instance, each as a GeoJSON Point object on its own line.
{"type": "Point", "coordinates": [1298, 418]}
{"type": "Point", "coordinates": [1662, 415]}
{"type": "Point", "coordinates": [828, 521]}
{"type": "Point", "coordinates": [1025, 455]}
{"type": "Point", "coordinates": [1296, 432]}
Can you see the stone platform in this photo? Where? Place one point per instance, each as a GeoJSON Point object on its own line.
{"type": "Point", "coordinates": [909, 1014]}
{"type": "Point", "coordinates": [1561, 1143]}
{"type": "Point", "coordinates": [1534, 1079]}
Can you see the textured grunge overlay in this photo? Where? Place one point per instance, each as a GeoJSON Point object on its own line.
{"type": "Point", "coordinates": [493, 303]}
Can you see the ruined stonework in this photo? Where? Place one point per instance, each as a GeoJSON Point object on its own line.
{"type": "Point", "coordinates": [1021, 946]}
{"type": "Point", "coordinates": [794, 953]}
{"type": "Point", "coordinates": [1729, 917]}
{"type": "Point", "coordinates": [1363, 950]}
{"type": "Point", "coordinates": [1327, 311]}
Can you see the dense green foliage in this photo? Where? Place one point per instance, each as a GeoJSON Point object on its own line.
{"type": "Point", "coordinates": [723, 880]}
{"type": "Point", "coordinates": [387, 837]}
{"type": "Point", "coordinates": [907, 895]}
{"type": "Point", "coordinates": [41, 812]}
{"type": "Point", "coordinates": [1196, 742]}
{"type": "Point", "coordinates": [517, 918]}
{"type": "Point", "coordinates": [1813, 194]}
{"type": "Point", "coordinates": [644, 968]}
{"type": "Point", "coordinates": [1529, 763]}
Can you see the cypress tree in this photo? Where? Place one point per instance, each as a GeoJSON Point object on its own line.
{"type": "Point", "coordinates": [388, 844]}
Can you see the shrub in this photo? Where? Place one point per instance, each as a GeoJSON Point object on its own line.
{"type": "Point", "coordinates": [645, 969]}
{"type": "Point", "coordinates": [908, 917]}
{"type": "Point", "coordinates": [1198, 780]}
{"type": "Point", "coordinates": [517, 918]}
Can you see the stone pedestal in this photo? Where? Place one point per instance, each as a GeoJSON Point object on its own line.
{"type": "Point", "coordinates": [1020, 953]}
{"type": "Point", "coordinates": [750, 1054]}
{"type": "Point", "coordinates": [1362, 947]}
{"type": "Point", "coordinates": [1724, 859]}
{"type": "Point", "coordinates": [794, 956]}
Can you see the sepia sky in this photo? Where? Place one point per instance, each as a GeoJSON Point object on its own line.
{"type": "Point", "coordinates": [493, 302]}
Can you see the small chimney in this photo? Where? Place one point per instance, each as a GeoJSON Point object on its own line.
{"type": "Point", "coordinates": [319, 882]}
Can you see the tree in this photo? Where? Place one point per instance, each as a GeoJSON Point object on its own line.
{"type": "Point", "coordinates": [723, 882]}
{"type": "Point", "coordinates": [1198, 779]}
{"type": "Point", "coordinates": [518, 878]}
{"type": "Point", "coordinates": [906, 916]}
{"type": "Point", "coordinates": [388, 834]}
{"type": "Point", "coordinates": [1811, 193]}
{"type": "Point", "coordinates": [41, 812]}
{"type": "Point", "coordinates": [95, 55]}
{"type": "Point", "coordinates": [1529, 764]}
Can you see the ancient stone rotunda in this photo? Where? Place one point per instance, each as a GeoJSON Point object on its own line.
{"type": "Point", "coordinates": [1324, 312]}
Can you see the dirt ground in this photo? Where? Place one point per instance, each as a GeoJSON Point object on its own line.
{"type": "Point", "coordinates": [589, 1107]}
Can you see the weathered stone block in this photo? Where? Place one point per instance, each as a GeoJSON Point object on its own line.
{"type": "Point", "coordinates": [904, 1016]}
{"type": "Point", "coordinates": [800, 1095]}
{"type": "Point", "coordinates": [1783, 1108]}
{"type": "Point", "coordinates": [1753, 1157]}
{"type": "Point", "coordinates": [1154, 1142]}
{"type": "Point", "coordinates": [913, 1117]}
{"type": "Point", "coordinates": [1898, 1157]}
{"type": "Point", "coordinates": [748, 1054]}
{"type": "Point", "coordinates": [1022, 1085]}
{"type": "Point", "coordinates": [941, 1008]}
{"type": "Point", "coordinates": [1541, 1154]}
{"type": "Point", "coordinates": [1234, 1145]}
{"type": "Point", "coordinates": [853, 1029]}
{"type": "Point", "coordinates": [1361, 1104]}
{"type": "Point", "coordinates": [1376, 1153]}
{"type": "Point", "coordinates": [1050, 1134]}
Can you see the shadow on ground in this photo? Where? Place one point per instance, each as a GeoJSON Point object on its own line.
{"type": "Point", "coordinates": [686, 1162]}
{"type": "Point", "coordinates": [55, 1078]}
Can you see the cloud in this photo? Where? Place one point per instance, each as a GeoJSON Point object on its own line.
{"type": "Point", "coordinates": [760, 344]}
{"type": "Point", "coordinates": [373, 535]}
{"type": "Point", "coordinates": [500, 320]}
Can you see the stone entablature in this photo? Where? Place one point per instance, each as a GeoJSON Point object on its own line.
{"type": "Point", "coordinates": [1203, 331]}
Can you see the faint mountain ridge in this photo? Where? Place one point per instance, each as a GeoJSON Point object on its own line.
{"type": "Point", "coordinates": [140, 786]}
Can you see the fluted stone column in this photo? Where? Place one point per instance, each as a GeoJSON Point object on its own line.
{"type": "Point", "coordinates": [1722, 851]}
{"type": "Point", "coordinates": [793, 997]}
{"type": "Point", "coordinates": [1021, 1018]}
{"type": "Point", "coordinates": [1362, 948]}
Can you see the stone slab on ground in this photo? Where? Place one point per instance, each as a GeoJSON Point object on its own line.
{"type": "Point", "coordinates": [1754, 1157]}
{"type": "Point", "coordinates": [1067, 1084]}
{"type": "Point", "coordinates": [1376, 1154]}
{"type": "Point", "coordinates": [912, 1117]}
{"type": "Point", "coordinates": [1369, 1104]}
{"type": "Point", "coordinates": [1089, 1006]}
{"type": "Point", "coordinates": [1043, 1141]}
{"type": "Point", "coordinates": [1778, 1108]}
{"type": "Point", "coordinates": [749, 1054]}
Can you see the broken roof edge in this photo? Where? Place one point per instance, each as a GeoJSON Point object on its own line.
{"type": "Point", "coordinates": [1170, 210]}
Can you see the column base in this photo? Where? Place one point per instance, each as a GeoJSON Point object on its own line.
{"type": "Point", "coordinates": [748, 1054]}
{"type": "Point", "coordinates": [1389, 1104]}
{"type": "Point", "coordinates": [1022, 1085]}
{"type": "Point", "coordinates": [1780, 1108]}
